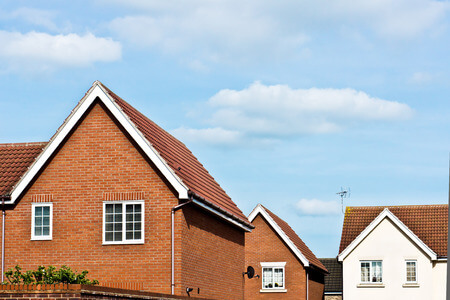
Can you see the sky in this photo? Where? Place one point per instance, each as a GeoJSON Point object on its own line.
{"type": "Point", "coordinates": [284, 102]}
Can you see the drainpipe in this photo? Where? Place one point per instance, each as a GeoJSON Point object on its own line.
{"type": "Point", "coordinates": [3, 237]}
{"type": "Point", "coordinates": [307, 285]}
{"type": "Point", "coordinates": [175, 208]}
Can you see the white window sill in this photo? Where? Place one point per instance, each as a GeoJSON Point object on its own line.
{"type": "Point", "coordinates": [273, 291]}
{"type": "Point", "coordinates": [43, 238]}
{"type": "Point", "coordinates": [411, 285]}
{"type": "Point", "coordinates": [123, 243]}
{"type": "Point", "coordinates": [370, 285]}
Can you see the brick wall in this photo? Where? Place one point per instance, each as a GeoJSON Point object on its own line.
{"type": "Point", "coordinates": [264, 245]}
{"type": "Point", "coordinates": [97, 163]}
{"type": "Point", "coordinates": [213, 256]}
{"type": "Point", "coordinates": [77, 291]}
{"type": "Point", "coordinates": [316, 285]}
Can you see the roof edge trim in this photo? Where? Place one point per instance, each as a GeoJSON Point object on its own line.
{"type": "Point", "coordinates": [386, 213]}
{"type": "Point", "coordinates": [260, 210]}
{"type": "Point", "coordinates": [96, 91]}
{"type": "Point", "coordinates": [222, 215]}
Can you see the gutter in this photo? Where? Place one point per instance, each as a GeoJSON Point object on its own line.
{"type": "Point", "coordinates": [172, 215]}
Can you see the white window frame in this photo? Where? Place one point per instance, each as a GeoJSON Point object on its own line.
{"type": "Point", "coordinates": [124, 241]}
{"type": "Point", "coordinates": [406, 271]}
{"type": "Point", "coordinates": [273, 265]}
{"type": "Point", "coordinates": [370, 271]}
{"type": "Point", "coordinates": [41, 237]}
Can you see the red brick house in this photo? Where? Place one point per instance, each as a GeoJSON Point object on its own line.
{"type": "Point", "coordinates": [114, 194]}
{"type": "Point", "coordinates": [287, 268]}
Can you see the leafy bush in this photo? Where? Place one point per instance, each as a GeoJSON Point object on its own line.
{"type": "Point", "coordinates": [49, 275]}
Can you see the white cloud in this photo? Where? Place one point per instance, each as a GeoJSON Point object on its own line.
{"type": "Point", "coordinates": [37, 50]}
{"type": "Point", "coordinates": [238, 32]}
{"type": "Point", "coordinates": [266, 113]}
{"type": "Point", "coordinates": [280, 110]}
{"type": "Point", "coordinates": [215, 136]}
{"type": "Point", "coordinates": [318, 207]}
{"type": "Point", "coordinates": [34, 16]}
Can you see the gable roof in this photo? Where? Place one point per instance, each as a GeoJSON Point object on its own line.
{"type": "Point", "coordinates": [427, 225]}
{"type": "Point", "coordinates": [15, 159]}
{"type": "Point", "coordinates": [175, 162]}
{"type": "Point", "coordinates": [333, 281]}
{"type": "Point", "coordinates": [288, 235]}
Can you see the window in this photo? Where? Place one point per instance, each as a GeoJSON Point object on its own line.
{"type": "Point", "coordinates": [41, 221]}
{"type": "Point", "coordinates": [371, 271]}
{"type": "Point", "coordinates": [411, 271]}
{"type": "Point", "coordinates": [273, 276]}
{"type": "Point", "coordinates": [123, 222]}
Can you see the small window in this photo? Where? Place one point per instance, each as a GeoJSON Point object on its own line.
{"type": "Point", "coordinates": [273, 276]}
{"type": "Point", "coordinates": [371, 271]}
{"type": "Point", "coordinates": [123, 222]}
{"type": "Point", "coordinates": [41, 221]}
{"type": "Point", "coordinates": [411, 271]}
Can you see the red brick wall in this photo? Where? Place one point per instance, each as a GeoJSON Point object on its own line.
{"type": "Point", "coordinates": [316, 285]}
{"type": "Point", "coordinates": [96, 163]}
{"type": "Point", "coordinates": [264, 245]}
{"type": "Point", "coordinates": [213, 256]}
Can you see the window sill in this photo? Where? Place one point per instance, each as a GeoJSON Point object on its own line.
{"type": "Point", "coordinates": [411, 285]}
{"type": "Point", "coordinates": [123, 243]}
{"type": "Point", "coordinates": [370, 285]}
{"type": "Point", "coordinates": [49, 238]}
{"type": "Point", "coordinates": [272, 290]}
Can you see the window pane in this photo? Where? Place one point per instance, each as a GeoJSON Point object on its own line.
{"type": "Point", "coordinates": [129, 235]}
{"type": "Point", "coordinates": [108, 236]}
{"type": "Point", "coordinates": [38, 221]}
{"type": "Point", "coordinates": [137, 235]}
{"type": "Point", "coordinates": [118, 227]}
{"type": "Point", "coordinates": [38, 211]}
{"type": "Point", "coordinates": [129, 227]}
{"type": "Point", "coordinates": [109, 208]}
{"type": "Point", "coordinates": [411, 271]}
{"type": "Point", "coordinates": [109, 227]}
{"type": "Point", "coordinates": [129, 208]}
{"type": "Point", "coordinates": [376, 271]}
{"type": "Point", "coordinates": [118, 208]}
{"type": "Point", "coordinates": [137, 208]}
{"type": "Point", "coordinates": [46, 231]}
{"type": "Point", "coordinates": [46, 211]}
{"type": "Point", "coordinates": [46, 221]}
{"type": "Point", "coordinates": [118, 218]}
{"type": "Point", "coordinates": [38, 231]}
{"type": "Point", "coordinates": [267, 278]}
{"type": "Point", "coordinates": [117, 236]}
{"type": "Point", "coordinates": [137, 226]}
{"type": "Point", "coordinates": [365, 272]}
{"type": "Point", "coordinates": [129, 217]}
{"type": "Point", "coordinates": [109, 218]}
{"type": "Point", "coordinates": [137, 217]}
{"type": "Point", "coordinates": [278, 277]}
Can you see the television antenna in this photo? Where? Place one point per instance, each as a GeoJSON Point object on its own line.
{"type": "Point", "coordinates": [344, 193]}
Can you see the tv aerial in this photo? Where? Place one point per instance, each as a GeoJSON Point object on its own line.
{"type": "Point", "coordinates": [344, 193]}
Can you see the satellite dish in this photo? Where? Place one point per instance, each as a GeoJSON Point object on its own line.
{"type": "Point", "coordinates": [250, 272]}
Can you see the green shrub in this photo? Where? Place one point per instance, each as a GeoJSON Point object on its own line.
{"type": "Point", "coordinates": [49, 275]}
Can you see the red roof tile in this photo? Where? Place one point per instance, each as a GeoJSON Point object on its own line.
{"type": "Point", "coordinates": [181, 160]}
{"type": "Point", "coordinates": [428, 222]}
{"type": "Point", "coordinates": [301, 246]}
{"type": "Point", "coordinates": [15, 159]}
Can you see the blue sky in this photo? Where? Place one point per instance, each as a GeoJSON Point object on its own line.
{"type": "Point", "coordinates": [284, 102]}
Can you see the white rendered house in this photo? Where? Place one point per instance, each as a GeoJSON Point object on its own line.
{"type": "Point", "coordinates": [394, 252]}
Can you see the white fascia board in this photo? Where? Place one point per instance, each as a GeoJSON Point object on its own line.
{"type": "Point", "coordinates": [71, 121]}
{"type": "Point", "coordinates": [223, 216]}
{"type": "Point", "coordinates": [386, 213]}
{"type": "Point", "coordinates": [260, 210]}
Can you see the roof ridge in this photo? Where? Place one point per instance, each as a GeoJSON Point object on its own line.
{"type": "Point", "coordinates": [391, 206]}
{"type": "Point", "coordinates": [23, 144]}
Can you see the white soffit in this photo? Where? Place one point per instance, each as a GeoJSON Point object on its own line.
{"type": "Point", "coordinates": [386, 213]}
{"type": "Point", "coordinates": [77, 113]}
{"type": "Point", "coordinates": [260, 210]}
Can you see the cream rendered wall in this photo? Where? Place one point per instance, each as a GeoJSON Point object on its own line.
{"type": "Point", "coordinates": [387, 243]}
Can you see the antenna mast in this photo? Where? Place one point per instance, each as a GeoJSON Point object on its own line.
{"type": "Point", "coordinates": [344, 193]}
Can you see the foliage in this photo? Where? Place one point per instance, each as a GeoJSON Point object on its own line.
{"type": "Point", "coordinates": [49, 275]}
